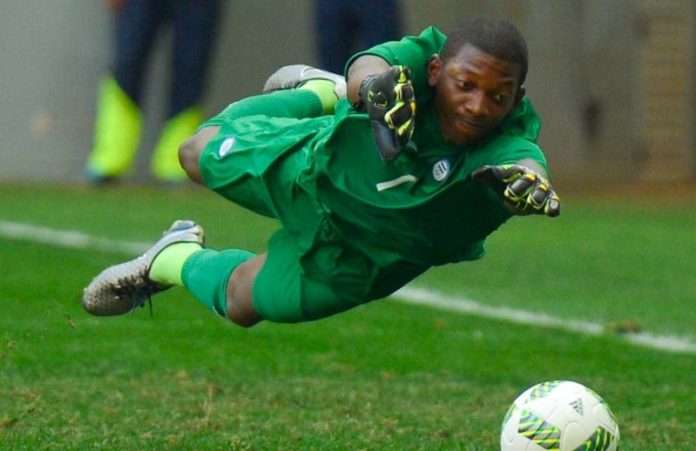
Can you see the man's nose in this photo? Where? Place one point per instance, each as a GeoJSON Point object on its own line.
{"type": "Point", "coordinates": [476, 104]}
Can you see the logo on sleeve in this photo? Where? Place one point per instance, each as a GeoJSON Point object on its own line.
{"type": "Point", "coordinates": [441, 170]}
{"type": "Point", "coordinates": [226, 146]}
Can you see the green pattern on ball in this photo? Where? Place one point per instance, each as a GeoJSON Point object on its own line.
{"type": "Point", "coordinates": [544, 389]}
{"type": "Point", "coordinates": [539, 431]}
{"type": "Point", "coordinates": [600, 440]}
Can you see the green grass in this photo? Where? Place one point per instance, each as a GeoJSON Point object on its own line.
{"type": "Point", "coordinates": [384, 376]}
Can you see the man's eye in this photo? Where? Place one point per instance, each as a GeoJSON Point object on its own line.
{"type": "Point", "coordinates": [465, 85]}
{"type": "Point", "coordinates": [500, 98]}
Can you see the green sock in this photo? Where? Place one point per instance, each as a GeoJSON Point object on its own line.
{"type": "Point", "coordinates": [325, 90]}
{"type": "Point", "coordinates": [297, 103]}
{"type": "Point", "coordinates": [166, 267]}
{"type": "Point", "coordinates": [206, 272]}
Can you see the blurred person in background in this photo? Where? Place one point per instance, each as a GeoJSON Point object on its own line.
{"type": "Point", "coordinates": [346, 26]}
{"type": "Point", "coordinates": [119, 121]}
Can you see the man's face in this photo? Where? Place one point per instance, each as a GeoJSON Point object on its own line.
{"type": "Point", "coordinates": [474, 91]}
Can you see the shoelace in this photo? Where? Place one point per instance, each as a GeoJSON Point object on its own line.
{"type": "Point", "coordinates": [139, 293]}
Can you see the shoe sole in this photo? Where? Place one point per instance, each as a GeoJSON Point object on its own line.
{"type": "Point", "coordinates": [291, 76]}
{"type": "Point", "coordinates": [123, 287]}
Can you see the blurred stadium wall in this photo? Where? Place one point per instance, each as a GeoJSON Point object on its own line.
{"type": "Point", "coordinates": [613, 80]}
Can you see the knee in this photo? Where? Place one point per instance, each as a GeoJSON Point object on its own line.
{"type": "Point", "coordinates": [191, 149]}
{"type": "Point", "coordinates": [189, 152]}
{"type": "Point", "coordinates": [240, 309]}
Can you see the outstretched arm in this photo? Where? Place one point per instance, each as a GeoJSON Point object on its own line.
{"type": "Point", "coordinates": [523, 187]}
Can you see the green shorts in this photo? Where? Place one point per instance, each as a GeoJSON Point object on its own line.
{"type": "Point", "coordinates": [311, 271]}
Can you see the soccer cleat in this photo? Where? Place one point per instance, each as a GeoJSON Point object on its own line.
{"type": "Point", "coordinates": [292, 76]}
{"type": "Point", "coordinates": [117, 132]}
{"type": "Point", "coordinates": [123, 287]}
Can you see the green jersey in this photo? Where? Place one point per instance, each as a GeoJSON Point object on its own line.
{"type": "Point", "coordinates": [422, 206]}
{"type": "Point", "coordinates": [354, 227]}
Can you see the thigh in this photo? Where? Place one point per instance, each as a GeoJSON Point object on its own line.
{"type": "Point", "coordinates": [229, 175]}
{"type": "Point", "coordinates": [256, 162]}
{"type": "Point", "coordinates": [295, 285]}
{"type": "Point", "coordinates": [247, 172]}
{"type": "Point", "coordinates": [313, 273]}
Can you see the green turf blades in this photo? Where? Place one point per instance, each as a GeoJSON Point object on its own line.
{"type": "Point", "coordinates": [385, 376]}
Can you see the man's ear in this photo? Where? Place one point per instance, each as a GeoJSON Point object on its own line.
{"type": "Point", "coordinates": [435, 66]}
{"type": "Point", "coordinates": [521, 91]}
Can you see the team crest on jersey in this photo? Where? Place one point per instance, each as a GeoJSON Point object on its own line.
{"type": "Point", "coordinates": [226, 146]}
{"type": "Point", "coordinates": [441, 170]}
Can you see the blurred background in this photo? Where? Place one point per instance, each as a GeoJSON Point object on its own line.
{"type": "Point", "coordinates": [613, 80]}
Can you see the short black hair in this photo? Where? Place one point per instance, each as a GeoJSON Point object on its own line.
{"type": "Point", "coordinates": [492, 35]}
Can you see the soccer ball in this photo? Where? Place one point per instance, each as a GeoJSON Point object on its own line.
{"type": "Point", "coordinates": [559, 415]}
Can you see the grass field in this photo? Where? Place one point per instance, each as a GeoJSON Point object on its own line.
{"type": "Point", "coordinates": [389, 375]}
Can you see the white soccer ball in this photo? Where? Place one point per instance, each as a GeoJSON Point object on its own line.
{"type": "Point", "coordinates": [559, 415]}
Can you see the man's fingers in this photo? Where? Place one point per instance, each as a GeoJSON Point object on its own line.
{"type": "Point", "coordinates": [400, 117]}
{"type": "Point", "coordinates": [553, 205]}
{"type": "Point", "coordinates": [532, 194]}
{"type": "Point", "coordinates": [539, 195]}
{"type": "Point", "coordinates": [523, 190]}
{"type": "Point", "coordinates": [401, 120]}
{"type": "Point", "coordinates": [404, 91]}
{"type": "Point", "coordinates": [543, 199]}
{"type": "Point", "coordinates": [400, 113]}
{"type": "Point", "coordinates": [498, 177]}
{"type": "Point", "coordinates": [386, 140]}
{"type": "Point", "coordinates": [388, 99]}
{"type": "Point", "coordinates": [520, 186]}
{"type": "Point", "coordinates": [402, 73]}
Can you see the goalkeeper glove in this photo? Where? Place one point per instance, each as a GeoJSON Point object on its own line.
{"type": "Point", "coordinates": [390, 103]}
{"type": "Point", "coordinates": [524, 191]}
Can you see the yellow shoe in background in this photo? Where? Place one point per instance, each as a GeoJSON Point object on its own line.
{"type": "Point", "coordinates": [117, 133]}
{"type": "Point", "coordinates": [165, 157]}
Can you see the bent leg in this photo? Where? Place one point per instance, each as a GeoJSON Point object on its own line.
{"type": "Point", "coordinates": [191, 149]}
{"type": "Point", "coordinates": [296, 286]}
{"type": "Point", "coordinates": [240, 308]}
{"type": "Point", "coordinates": [292, 103]}
{"type": "Point", "coordinates": [222, 281]}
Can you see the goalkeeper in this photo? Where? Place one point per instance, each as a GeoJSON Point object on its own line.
{"type": "Point", "coordinates": [428, 149]}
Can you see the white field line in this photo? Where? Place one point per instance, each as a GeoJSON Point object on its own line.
{"type": "Point", "coordinates": [419, 296]}
{"type": "Point", "coordinates": [68, 238]}
{"type": "Point", "coordinates": [409, 294]}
